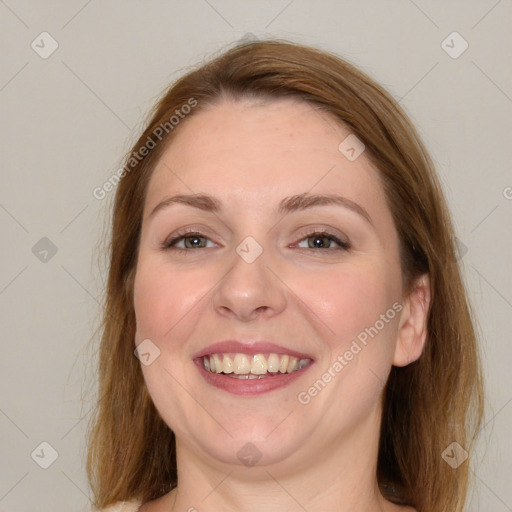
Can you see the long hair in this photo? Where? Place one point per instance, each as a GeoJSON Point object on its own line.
{"type": "Point", "coordinates": [427, 405]}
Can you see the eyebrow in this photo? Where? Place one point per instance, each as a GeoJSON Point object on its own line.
{"type": "Point", "coordinates": [305, 201]}
{"type": "Point", "coordinates": [201, 201]}
{"type": "Point", "coordinates": [294, 203]}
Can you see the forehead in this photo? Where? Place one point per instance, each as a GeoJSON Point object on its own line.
{"type": "Point", "coordinates": [264, 150]}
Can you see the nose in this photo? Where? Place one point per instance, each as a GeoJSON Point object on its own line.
{"type": "Point", "coordinates": [249, 291]}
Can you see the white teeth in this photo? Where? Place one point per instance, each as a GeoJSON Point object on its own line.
{"type": "Point", "coordinates": [273, 363]}
{"type": "Point", "coordinates": [259, 365]}
{"type": "Point", "coordinates": [244, 366]}
{"type": "Point", "coordinates": [241, 364]}
{"type": "Point", "coordinates": [283, 365]}
{"type": "Point", "coordinates": [218, 363]}
{"type": "Point", "coordinates": [293, 364]}
{"type": "Point", "coordinates": [227, 364]}
{"type": "Point", "coordinates": [248, 376]}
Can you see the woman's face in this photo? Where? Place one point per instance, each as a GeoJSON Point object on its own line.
{"type": "Point", "coordinates": [267, 247]}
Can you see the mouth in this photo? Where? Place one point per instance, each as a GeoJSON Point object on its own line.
{"type": "Point", "coordinates": [250, 369]}
{"type": "Point", "coordinates": [257, 366]}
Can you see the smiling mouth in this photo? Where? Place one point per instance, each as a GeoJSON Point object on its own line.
{"type": "Point", "coordinates": [257, 366]}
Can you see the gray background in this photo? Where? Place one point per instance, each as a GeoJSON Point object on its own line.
{"type": "Point", "coordinates": [68, 119]}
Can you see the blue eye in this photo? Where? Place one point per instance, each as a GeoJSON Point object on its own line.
{"type": "Point", "coordinates": [188, 241]}
{"type": "Point", "coordinates": [317, 241]}
{"type": "Point", "coordinates": [322, 241]}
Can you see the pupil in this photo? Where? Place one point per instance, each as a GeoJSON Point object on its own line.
{"type": "Point", "coordinates": [194, 241]}
{"type": "Point", "coordinates": [319, 242]}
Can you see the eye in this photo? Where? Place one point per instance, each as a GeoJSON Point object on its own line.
{"type": "Point", "coordinates": [191, 240]}
{"type": "Point", "coordinates": [323, 240]}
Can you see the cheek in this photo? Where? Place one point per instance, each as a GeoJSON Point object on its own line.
{"type": "Point", "coordinates": [349, 300]}
{"type": "Point", "coordinates": [165, 301]}
{"type": "Point", "coordinates": [162, 297]}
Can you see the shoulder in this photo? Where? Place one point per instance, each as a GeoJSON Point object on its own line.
{"type": "Point", "coordinates": [120, 506]}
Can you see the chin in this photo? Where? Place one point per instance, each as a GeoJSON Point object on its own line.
{"type": "Point", "coordinates": [247, 452]}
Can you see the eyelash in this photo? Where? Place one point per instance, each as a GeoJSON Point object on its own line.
{"type": "Point", "coordinates": [343, 245]}
{"type": "Point", "coordinates": [169, 244]}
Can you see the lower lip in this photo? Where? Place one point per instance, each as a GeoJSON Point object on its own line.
{"type": "Point", "coordinates": [249, 386]}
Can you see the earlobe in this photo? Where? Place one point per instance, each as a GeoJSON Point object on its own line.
{"type": "Point", "coordinates": [412, 329]}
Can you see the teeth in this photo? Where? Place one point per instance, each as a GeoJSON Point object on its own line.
{"type": "Point", "coordinates": [227, 365]}
{"type": "Point", "coordinates": [242, 366]}
{"type": "Point", "coordinates": [273, 363]}
{"type": "Point", "coordinates": [283, 365]}
{"type": "Point", "coordinates": [217, 363]}
{"type": "Point", "coordinates": [259, 365]}
{"type": "Point", "coordinates": [293, 364]}
{"type": "Point", "coordinates": [248, 377]}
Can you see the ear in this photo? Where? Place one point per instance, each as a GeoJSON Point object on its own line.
{"type": "Point", "coordinates": [412, 330]}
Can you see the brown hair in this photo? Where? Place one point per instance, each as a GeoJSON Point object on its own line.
{"type": "Point", "coordinates": [427, 405]}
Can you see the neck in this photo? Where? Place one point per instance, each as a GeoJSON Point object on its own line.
{"type": "Point", "coordinates": [340, 478]}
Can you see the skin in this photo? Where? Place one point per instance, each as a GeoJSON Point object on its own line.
{"type": "Point", "coordinates": [250, 155]}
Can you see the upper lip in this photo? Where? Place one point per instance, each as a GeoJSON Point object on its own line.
{"type": "Point", "coordinates": [249, 348]}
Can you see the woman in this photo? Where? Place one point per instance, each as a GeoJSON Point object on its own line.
{"type": "Point", "coordinates": [283, 269]}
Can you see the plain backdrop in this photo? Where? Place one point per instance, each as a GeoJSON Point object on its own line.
{"type": "Point", "coordinates": [68, 117]}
